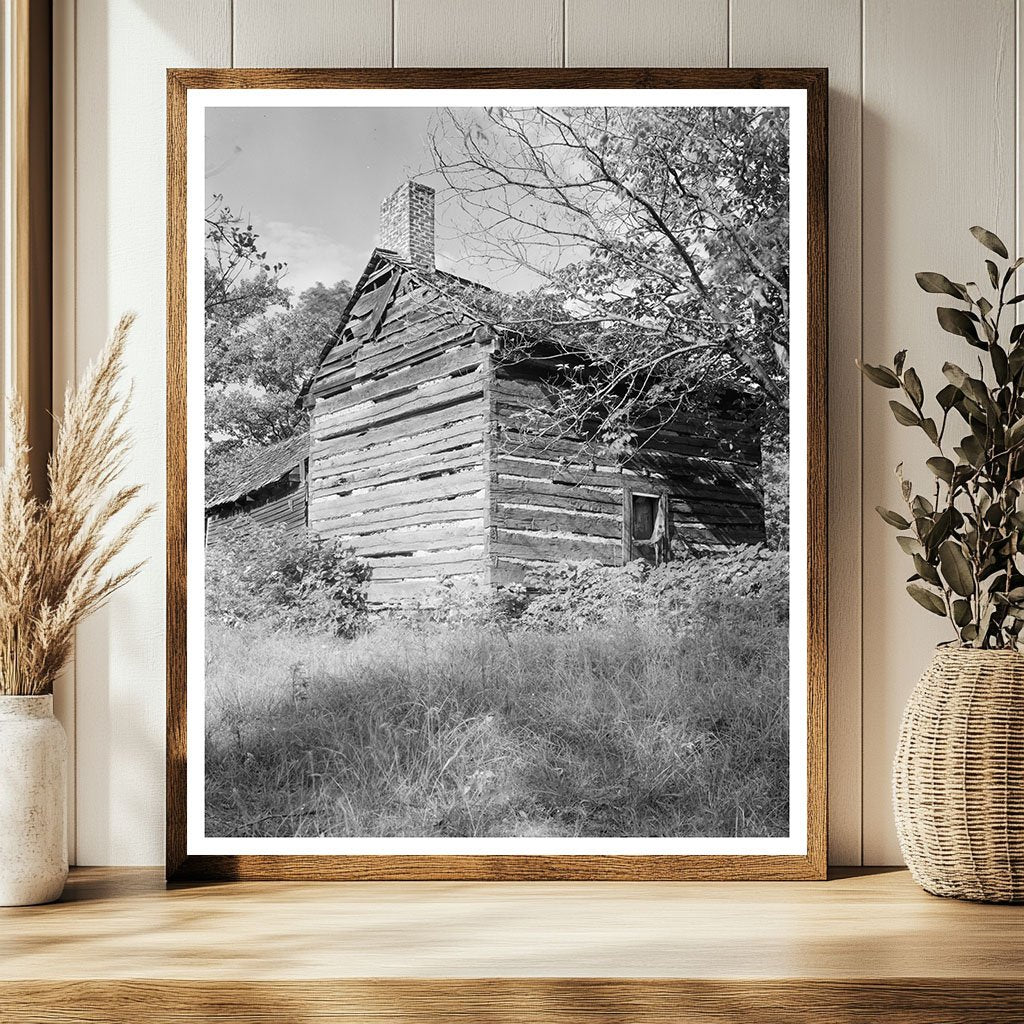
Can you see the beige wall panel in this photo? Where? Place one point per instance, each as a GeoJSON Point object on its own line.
{"type": "Point", "coordinates": [939, 156]}
{"type": "Point", "coordinates": [122, 52]}
{"type": "Point", "coordinates": [312, 33]}
{"type": "Point", "coordinates": [64, 361]}
{"type": "Point", "coordinates": [646, 33]}
{"type": "Point", "coordinates": [802, 33]}
{"type": "Point", "coordinates": [478, 33]}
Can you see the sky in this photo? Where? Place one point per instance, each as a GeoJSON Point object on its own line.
{"type": "Point", "coordinates": [311, 181]}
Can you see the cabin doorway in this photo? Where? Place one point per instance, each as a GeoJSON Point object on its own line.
{"type": "Point", "coordinates": [645, 526]}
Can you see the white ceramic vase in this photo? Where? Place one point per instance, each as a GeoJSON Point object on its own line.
{"type": "Point", "coordinates": [33, 802]}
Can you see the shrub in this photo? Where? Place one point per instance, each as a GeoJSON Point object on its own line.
{"type": "Point", "coordinates": [286, 579]}
{"type": "Point", "coordinates": [683, 594]}
{"type": "Point", "coordinates": [469, 601]}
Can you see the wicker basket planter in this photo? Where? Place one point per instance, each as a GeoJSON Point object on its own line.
{"type": "Point", "coordinates": [958, 777]}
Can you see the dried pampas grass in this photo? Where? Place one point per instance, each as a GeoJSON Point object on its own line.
{"type": "Point", "coordinates": [56, 556]}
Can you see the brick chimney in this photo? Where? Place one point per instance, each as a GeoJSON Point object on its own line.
{"type": "Point", "coordinates": [407, 224]}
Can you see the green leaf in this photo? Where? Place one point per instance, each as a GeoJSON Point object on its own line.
{"type": "Point", "coordinates": [939, 284]}
{"type": "Point", "coordinates": [893, 518]}
{"type": "Point", "coordinates": [912, 385]}
{"type": "Point", "coordinates": [926, 571]}
{"type": "Point", "coordinates": [990, 241]}
{"type": "Point", "coordinates": [948, 397]}
{"type": "Point", "coordinates": [941, 467]}
{"type": "Point", "coordinates": [880, 375]}
{"type": "Point", "coordinates": [928, 426]}
{"type": "Point", "coordinates": [956, 321]}
{"type": "Point", "coordinates": [972, 450]}
{"type": "Point", "coordinates": [954, 375]}
{"type": "Point", "coordinates": [1015, 434]}
{"type": "Point", "coordinates": [899, 359]}
{"type": "Point", "coordinates": [926, 598]}
{"type": "Point", "coordinates": [956, 570]}
{"type": "Point", "coordinates": [903, 415]}
{"type": "Point", "coordinates": [1000, 364]}
{"type": "Point", "coordinates": [911, 545]}
{"type": "Point", "coordinates": [940, 529]}
{"type": "Point", "coordinates": [1014, 300]}
{"type": "Point", "coordinates": [961, 612]}
{"type": "Point", "coordinates": [921, 506]}
{"type": "Point", "coordinates": [984, 306]}
{"type": "Point", "coordinates": [993, 273]}
{"type": "Point", "coordinates": [969, 633]}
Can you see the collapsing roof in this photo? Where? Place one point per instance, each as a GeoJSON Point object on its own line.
{"type": "Point", "coordinates": [260, 467]}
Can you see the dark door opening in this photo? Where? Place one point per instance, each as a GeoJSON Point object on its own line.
{"type": "Point", "coordinates": [646, 532]}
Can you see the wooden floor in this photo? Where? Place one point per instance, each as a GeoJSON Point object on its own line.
{"type": "Point", "coordinates": [865, 947]}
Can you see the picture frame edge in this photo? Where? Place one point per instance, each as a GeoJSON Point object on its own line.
{"type": "Point", "coordinates": [180, 866]}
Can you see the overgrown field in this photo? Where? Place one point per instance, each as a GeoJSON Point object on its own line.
{"type": "Point", "coordinates": [666, 719]}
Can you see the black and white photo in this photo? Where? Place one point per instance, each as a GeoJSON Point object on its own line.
{"type": "Point", "coordinates": [497, 435]}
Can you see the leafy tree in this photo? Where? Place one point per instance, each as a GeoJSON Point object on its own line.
{"type": "Point", "coordinates": [261, 342]}
{"type": "Point", "coordinates": [660, 236]}
{"type": "Point", "coordinates": [254, 373]}
{"type": "Point", "coordinates": [239, 281]}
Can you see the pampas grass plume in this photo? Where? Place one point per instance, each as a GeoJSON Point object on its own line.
{"type": "Point", "coordinates": [57, 555]}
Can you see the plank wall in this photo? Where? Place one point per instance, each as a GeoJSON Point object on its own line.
{"type": "Point", "coordinates": [553, 495]}
{"type": "Point", "coordinates": [280, 505]}
{"type": "Point", "coordinates": [397, 439]}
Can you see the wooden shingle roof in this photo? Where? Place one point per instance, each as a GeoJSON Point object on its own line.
{"type": "Point", "coordinates": [258, 467]}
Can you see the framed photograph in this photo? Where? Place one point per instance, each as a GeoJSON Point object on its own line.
{"type": "Point", "coordinates": [496, 474]}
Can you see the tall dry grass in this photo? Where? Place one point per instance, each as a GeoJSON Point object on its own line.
{"type": "Point", "coordinates": [57, 556]}
{"type": "Point", "coordinates": [627, 729]}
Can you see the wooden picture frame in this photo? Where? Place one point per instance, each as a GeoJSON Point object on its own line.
{"type": "Point", "coordinates": [809, 864]}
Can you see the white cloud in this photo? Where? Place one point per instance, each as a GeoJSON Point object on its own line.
{"type": "Point", "coordinates": [311, 254]}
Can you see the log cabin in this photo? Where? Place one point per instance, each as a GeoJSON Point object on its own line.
{"type": "Point", "coordinates": [435, 456]}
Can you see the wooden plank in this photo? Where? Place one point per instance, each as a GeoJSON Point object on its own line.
{"type": "Point", "coordinates": [520, 544]}
{"type": "Point", "coordinates": [868, 948]}
{"type": "Point", "coordinates": [312, 33]}
{"type": "Point", "coordinates": [443, 510]}
{"type": "Point", "coordinates": [397, 542]}
{"type": "Point", "coordinates": [805, 33]}
{"type": "Point", "coordinates": [412, 470]}
{"type": "Point", "coordinates": [466, 33]}
{"type": "Point", "coordinates": [560, 521]}
{"type": "Point", "coordinates": [394, 592]}
{"type": "Point", "coordinates": [656, 33]}
{"type": "Point", "coordinates": [422, 342]}
{"type": "Point", "coordinates": [448, 416]}
{"type": "Point", "coordinates": [556, 495]}
{"type": "Point", "coordinates": [919, 58]}
{"type": "Point", "coordinates": [454, 563]}
{"type": "Point", "coordinates": [446, 392]}
{"type": "Point", "coordinates": [341, 454]}
{"type": "Point", "coordinates": [397, 494]}
{"type": "Point", "coordinates": [715, 512]}
{"type": "Point", "coordinates": [555, 471]}
{"type": "Point", "coordinates": [445, 364]}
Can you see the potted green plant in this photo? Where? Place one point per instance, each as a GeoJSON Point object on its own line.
{"type": "Point", "coordinates": [958, 782]}
{"type": "Point", "coordinates": [57, 564]}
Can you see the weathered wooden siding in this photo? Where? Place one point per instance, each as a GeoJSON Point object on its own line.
{"type": "Point", "coordinates": [284, 505]}
{"type": "Point", "coordinates": [554, 496]}
{"type": "Point", "coordinates": [397, 438]}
